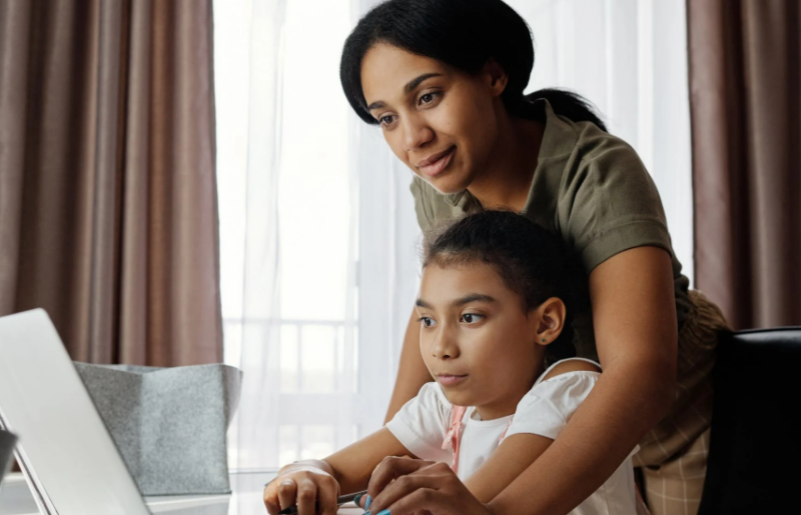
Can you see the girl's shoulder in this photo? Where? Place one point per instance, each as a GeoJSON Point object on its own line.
{"type": "Point", "coordinates": [553, 399]}
{"type": "Point", "coordinates": [570, 365]}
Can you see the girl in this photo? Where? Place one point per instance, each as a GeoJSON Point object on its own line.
{"type": "Point", "coordinates": [443, 80]}
{"type": "Point", "coordinates": [494, 313]}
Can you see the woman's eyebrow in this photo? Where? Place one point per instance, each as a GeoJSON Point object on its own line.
{"type": "Point", "coordinates": [409, 87]}
{"type": "Point", "coordinates": [472, 297]}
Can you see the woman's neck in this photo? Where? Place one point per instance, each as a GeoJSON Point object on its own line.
{"type": "Point", "coordinates": [506, 179]}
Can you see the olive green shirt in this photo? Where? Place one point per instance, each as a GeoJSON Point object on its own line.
{"type": "Point", "coordinates": [591, 189]}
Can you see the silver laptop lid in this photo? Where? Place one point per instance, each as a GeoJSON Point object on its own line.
{"type": "Point", "coordinates": [65, 450]}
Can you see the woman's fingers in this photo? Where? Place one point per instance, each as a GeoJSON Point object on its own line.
{"type": "Point", "coordinates": [390, 469]}
{"type": "Point", "coordinates": [422, 500]}
{"type": "Point", "coordinates": [402, 487]}
{"type": "Point", "coordinates": [431, 489]}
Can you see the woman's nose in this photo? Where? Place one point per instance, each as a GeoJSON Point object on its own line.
{"type": "Point", "coordinates": [416, 133]}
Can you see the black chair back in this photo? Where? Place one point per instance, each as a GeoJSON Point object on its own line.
{"type": "Point", "coordinates": [754, 462]}
{"type": "Point", "coordinates": [7, 442]}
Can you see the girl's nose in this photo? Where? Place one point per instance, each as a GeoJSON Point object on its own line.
{"type": "Point", "coordinates": [445, 345]}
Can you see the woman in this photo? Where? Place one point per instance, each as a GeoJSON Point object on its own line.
{"type": "Point", "coordinates": [444, 80]}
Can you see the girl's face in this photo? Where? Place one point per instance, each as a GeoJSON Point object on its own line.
{"type": "Point", "coordinates": [476, 339]}
{"type": "Point", "coordinates": [441, 122]}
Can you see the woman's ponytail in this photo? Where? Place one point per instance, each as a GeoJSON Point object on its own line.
{"type": "Point", "coordinates": [568, 104]}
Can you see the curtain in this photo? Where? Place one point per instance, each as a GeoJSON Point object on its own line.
{"type": "Point", "coordinates": [108, 208]}
{"type": "Point", "coordinates": [320, 244]}
{"type": "Point", "coordinates": [745, 67]}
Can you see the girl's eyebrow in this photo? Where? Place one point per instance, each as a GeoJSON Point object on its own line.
{"type": "Point", "coordinates": [409, 87]}
{"type": "Point", "coordinates": [471, 297]}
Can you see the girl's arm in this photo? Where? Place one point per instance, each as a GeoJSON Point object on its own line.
{"type": "Point", "coordinates": [636, 332]}
{"type": "Point", "coordinates": [352, 466]}
{"type": "Point", "coordinates": [309, 481]}
{"type": "Point", "coordinates": [412, 371]}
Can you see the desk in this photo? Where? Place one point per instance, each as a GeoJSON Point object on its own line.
{"type": "Point", "coordinates": [246, 499]}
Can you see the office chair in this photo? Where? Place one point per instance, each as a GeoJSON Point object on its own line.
{"type": "Point", "coordinates": [754, 463]}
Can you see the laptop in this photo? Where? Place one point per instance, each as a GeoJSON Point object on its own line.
{"type": "Point", "coordinates": [65, 452]}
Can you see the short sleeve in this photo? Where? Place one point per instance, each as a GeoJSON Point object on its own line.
{"type": "Point", "coordinates": [425, 216]}
{"type": "Point", "coordinates": [421, 423]}
{"type": "Point", "coordinates": [610, 204]}
{"type": "Point", "coordinates": [546, 408]}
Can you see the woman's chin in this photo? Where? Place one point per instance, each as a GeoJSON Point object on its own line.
{"type": "Point", "coordinates": [447, 185]}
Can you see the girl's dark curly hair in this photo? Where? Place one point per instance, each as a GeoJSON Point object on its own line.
{"type": "Point", "coordinates": [531, 261]}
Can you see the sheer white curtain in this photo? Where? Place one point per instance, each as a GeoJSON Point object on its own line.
{"type": "Point", "coordinates": [319, 239]}
{"type": "Point", "coordinates": [628, 57]}
{"type": "Point", "coordinates": [318, 235]}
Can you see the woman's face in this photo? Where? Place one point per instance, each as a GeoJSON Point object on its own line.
{"type": "Point", "coordinates": [476, 339]}
{"type": "Point", "coordinates": [441, 122]}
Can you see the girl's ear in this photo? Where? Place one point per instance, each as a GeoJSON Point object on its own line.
{"type": "Point", "coordinates": [551, 320]}
{"type": "Point", "coordinates": [496, 76]}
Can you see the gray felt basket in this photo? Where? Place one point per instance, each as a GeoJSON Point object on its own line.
{"type": "Point", "coordinates": [168, 423]}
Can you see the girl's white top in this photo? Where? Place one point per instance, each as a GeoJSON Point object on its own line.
{"type": "Point", "coordinates": [422, 423]}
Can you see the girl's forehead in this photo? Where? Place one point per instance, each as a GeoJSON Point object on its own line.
{"type": "Point", "coordinates": [440, 282]}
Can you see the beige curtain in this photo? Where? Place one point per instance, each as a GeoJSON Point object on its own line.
{"type": "Point", "coordinates": [108, 207]}
{"type": "Point", "coordinates": [745, 67]}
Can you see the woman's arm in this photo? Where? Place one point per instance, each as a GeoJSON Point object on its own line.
{"type": "Point", "coordinates": [412, 371]}
{"type": "Point", "coordinates": [636, 333]}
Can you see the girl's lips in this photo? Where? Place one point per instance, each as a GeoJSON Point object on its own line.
{"type": "Point", "coordinates": [438, 165]}
{"type": "Point", "coordinates": [450, 380]}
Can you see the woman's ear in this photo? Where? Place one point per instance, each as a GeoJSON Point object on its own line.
{"type": "Point", "coordinates": [551, 315]}
{"type": "Point", "coordinates": [496, 76]}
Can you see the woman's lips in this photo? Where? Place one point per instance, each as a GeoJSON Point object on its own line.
{"type": "Point", "coordinates": [438, 165]}
{"type": "Point", "coordinates": [450, 380]}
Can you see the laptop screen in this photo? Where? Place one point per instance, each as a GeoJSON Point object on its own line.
{"type": "Point", "coordinates": [65, 450]}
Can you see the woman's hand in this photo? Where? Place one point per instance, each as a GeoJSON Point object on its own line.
{"type": "Point", "coordinates": [313, 489]}
{"type": "Point", "coordinates": [408, 486]}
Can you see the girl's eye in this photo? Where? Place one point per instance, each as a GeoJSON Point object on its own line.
{"type": "Point", "coordinates": [471, 318]}
{"type": "Point", "coordinates": [385, 120]}
{"type": "Point", "coordinates": [427, 322]}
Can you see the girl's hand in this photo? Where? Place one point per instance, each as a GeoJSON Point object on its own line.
{"type": "Point", "coordinates": [313, 490]}
{"type": "Point", "coordinates": [405, 486]}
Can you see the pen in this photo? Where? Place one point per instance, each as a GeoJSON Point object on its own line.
{"type": "Point", "coordinates": [340, 501]}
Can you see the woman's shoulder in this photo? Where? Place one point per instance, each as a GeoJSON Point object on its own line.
{"type": "Point", "coordinates": [581, 142]}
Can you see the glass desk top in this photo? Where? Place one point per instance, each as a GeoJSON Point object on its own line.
{"type": "Point", "coordinates": [246, 499]}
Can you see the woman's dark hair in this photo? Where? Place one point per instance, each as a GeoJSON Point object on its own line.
{"type": "Point", "coordinates": [531, 261]}
{"type": "Point", "coordinates": [464, 34]}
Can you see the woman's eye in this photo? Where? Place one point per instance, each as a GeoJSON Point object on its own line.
{"type": "Point", "coordinates": [429, 96]}
{"type": "Point", "coordinates": [471, 318]}
{"type": "Point", "coordinates": [427, 322]}
{"type": "Point", "coordinates": [385, 120]}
